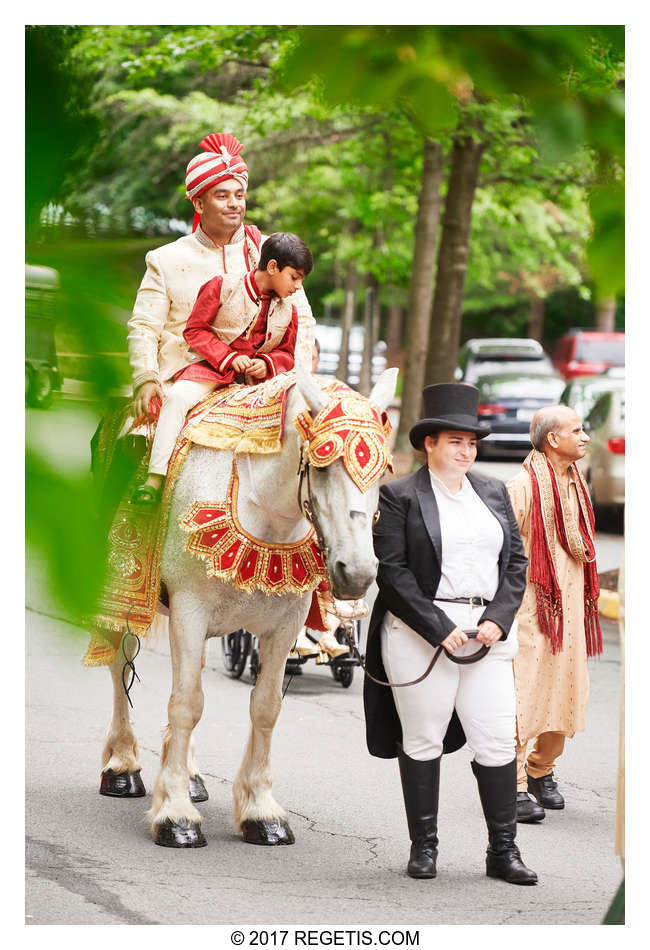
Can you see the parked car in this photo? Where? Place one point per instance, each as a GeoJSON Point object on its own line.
{"type": "Point", "coordinates": [329, 337]}
{"type": "Point", "coordinates": [482, 357]}
{"type": "Point", "coordinates": [588, 352]}
{"type": "Point", "coordinates": [582, 392]}
{"type": "Point", "coordinates": [41, 368]}
{"type": "Point", "coordinates": [604, 463]}
{"type": "Point", "coordinates": [508, 402]}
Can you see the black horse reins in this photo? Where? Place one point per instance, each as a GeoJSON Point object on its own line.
{"type": "Point", "coordinates": [307, 508]}
{"type": "Point", "coordinates": [461, 660]}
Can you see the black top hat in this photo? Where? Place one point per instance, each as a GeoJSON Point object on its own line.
{"type": "Point", "coordinates": [449, 406]}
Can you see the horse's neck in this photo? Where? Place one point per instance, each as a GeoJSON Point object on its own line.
{"type": "Point", "coordinates": [268, 486]}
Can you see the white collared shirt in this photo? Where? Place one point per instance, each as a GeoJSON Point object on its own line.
{"type": "Point", "coordinates": [472, 539]}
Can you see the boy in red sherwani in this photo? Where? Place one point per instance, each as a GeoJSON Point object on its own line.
{"type": "Point", "coordinates": [239, 327]}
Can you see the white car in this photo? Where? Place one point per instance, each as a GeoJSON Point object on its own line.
{"type": "Point", "coordinates": [604, 463]}
{"type": "Point", "coordinates": [329, 338]}
{"type": "Point", "coordinates": [481, 357]}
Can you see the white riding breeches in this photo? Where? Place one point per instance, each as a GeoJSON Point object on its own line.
{"type": "Point", "coordinates": [483, 693]}
{"type": "Point", "coordinates": [180, 398]}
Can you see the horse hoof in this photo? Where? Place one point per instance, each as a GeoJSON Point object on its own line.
{"type": "Point", "coordinates": [198, 791]}
{"type": "Point", "coordinates": [267, 832]}
{"type": "Point", "coordinates": [179, 834]}
{"type": "Point", "coordinates": [122, 784]}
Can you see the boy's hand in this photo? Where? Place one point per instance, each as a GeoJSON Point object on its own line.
{"type": "Point", "coordinates": [242, 364]}
{"type": "Point", "coordinates": [143, 396]}
{"type": "Point", "coordinates": [257, 369]}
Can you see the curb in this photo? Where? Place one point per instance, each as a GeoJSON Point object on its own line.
{"type": "Point", "coordinates": [608, 604]}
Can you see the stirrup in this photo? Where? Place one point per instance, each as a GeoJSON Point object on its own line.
{"type": "Point", "coordinates": [146, 496]}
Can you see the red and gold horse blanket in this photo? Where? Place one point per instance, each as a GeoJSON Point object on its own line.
{"type": "Point", "coordinates": [239, 419]}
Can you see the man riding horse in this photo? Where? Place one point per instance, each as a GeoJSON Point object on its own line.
{"type": "Point", "coordinates": [220, 243]}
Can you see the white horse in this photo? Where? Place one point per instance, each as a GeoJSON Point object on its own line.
{"type": "Point", "coordinates": [269, 509]}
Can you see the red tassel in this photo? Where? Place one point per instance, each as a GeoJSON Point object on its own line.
{"type": "Point", "coordinates": [542, 575]}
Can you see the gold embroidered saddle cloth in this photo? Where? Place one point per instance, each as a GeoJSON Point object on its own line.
{"type": "Point", "coordinates": [242, 418]}
{"type": "Point", "coordinates": [237, 418]}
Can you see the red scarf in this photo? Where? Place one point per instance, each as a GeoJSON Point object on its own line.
{"type": "Point", "coordinates": [551, 518]}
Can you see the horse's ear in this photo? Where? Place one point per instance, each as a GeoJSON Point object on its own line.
{"type": "Point", "coordinates": [384, 389]}
{"type": "Point", "coordinates": [310, 390]}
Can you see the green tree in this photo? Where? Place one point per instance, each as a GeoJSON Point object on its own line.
{"type": "Point", "coordinates": [568, 77]}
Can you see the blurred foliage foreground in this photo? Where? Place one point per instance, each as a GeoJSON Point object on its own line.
{"type": "Point", "coordinates": [65, 531]}
{"type": "Point", "coordinates": [337, 122]}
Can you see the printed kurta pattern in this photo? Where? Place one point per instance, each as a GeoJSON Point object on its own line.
{"type": "Point", "coordinates": [552, 690]}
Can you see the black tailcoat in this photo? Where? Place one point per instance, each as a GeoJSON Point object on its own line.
{"type": "Point", "coordinates": [409, 548]}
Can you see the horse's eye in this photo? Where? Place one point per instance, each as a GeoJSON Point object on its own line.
{"type": "Point", "coordinates": [376, 517]}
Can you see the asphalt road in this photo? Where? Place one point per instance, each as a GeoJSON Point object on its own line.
{"type": "Point", "coordinates": [90, 859]}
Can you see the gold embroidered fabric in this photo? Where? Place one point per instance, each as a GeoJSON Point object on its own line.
{"type": "Point", "coordinates": [349, 427]}
{"type": "Point", "coordinates": [242, 418]}
{"type": "Point", "coordinates": [232, 554]}
{"type": "Point", "coordinates": [132, 586]}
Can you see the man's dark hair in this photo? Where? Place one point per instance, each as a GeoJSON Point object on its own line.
{"type": "Point", "coordinates": [288, 250]}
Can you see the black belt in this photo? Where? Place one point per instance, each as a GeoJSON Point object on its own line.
{"type": "Point", "coordinates": [472, 601]}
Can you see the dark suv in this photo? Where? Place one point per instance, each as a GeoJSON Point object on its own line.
{"type": "Point", "coordinates": [588, 352]}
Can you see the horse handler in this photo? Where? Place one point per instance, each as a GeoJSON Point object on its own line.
{"type": "Point", "coordinates": [450, 559]}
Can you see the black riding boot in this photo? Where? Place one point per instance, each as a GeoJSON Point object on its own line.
{"type": "Point", "coordinates": [420, 786]}
{"type": "Point", "coordinates": [497, 787]}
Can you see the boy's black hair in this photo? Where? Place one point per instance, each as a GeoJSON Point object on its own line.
{"type": "Point", "coordinates": [288, 250]}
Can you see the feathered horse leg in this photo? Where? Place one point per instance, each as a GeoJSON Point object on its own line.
{"type": "Point", "coordinates": [120, 776]}
{"type": "Point", "coordinates": [257, 815]}
{"type": "Point", "coordinates": [175, 822]}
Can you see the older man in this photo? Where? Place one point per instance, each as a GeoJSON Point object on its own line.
{"type": "Point", "coordinates": [558, 618]}
{"type": "Point", "coordinates": [216, 183]}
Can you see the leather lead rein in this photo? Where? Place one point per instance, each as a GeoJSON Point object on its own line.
{"type": "Point", "coordinates": [463, 660]}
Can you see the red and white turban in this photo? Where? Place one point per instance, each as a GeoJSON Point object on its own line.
{"type": "Point", "coordinates": [219, 161]}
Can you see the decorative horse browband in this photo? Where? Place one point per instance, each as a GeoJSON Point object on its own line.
{"type": "Point", "coordinates": [351, 428]}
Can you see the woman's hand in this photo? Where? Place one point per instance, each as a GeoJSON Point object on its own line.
{"type": "Point", "coordinates": [454, 640]}
{"type": "Point", "coordinates": [489, 632]}
{"type": "Point", "coordinates": [142, 398]}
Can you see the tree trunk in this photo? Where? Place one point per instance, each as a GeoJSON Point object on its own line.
{"type": "Point", "coordinates": [606, 314]}
{"type": "Point", "coordinates": [536, 319]}
{"type": "Point", "coordinates": [347, 319]}
{"type": "Point", "coordinates": [394, 331]}
{"type": "Point", "coordinates": [418, 315]}
{"type": "Point", "coordinates": [446, 315]}
{"type": "Point", "coordinates": [369, 333]}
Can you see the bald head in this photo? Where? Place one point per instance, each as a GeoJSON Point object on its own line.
{"type": "Point", "coordinates": [550, 419]}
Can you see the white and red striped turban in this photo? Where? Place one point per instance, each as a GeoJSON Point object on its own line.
{"type": "Point", "coordinates": [219, 161]}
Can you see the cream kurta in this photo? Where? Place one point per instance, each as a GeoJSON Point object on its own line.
{"type": "Point", "coordinates": [175, 274]}
{"type": "Point", "coordinates": [552, 690]}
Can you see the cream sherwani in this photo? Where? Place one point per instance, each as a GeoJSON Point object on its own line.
{"type": "Point", "coordinates": [175, 273]}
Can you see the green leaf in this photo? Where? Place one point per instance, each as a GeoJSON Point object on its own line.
{"type": "Point", "coordinates": [560, 129]}
{"type": "Point", "coordinates": [606, 251]}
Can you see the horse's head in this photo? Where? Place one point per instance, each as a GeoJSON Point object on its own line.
{"type": "Point", "coordinates": [345, 450]}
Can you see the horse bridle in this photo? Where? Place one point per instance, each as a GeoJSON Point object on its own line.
{"type": "Point", "coordinates": [307, 508]}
